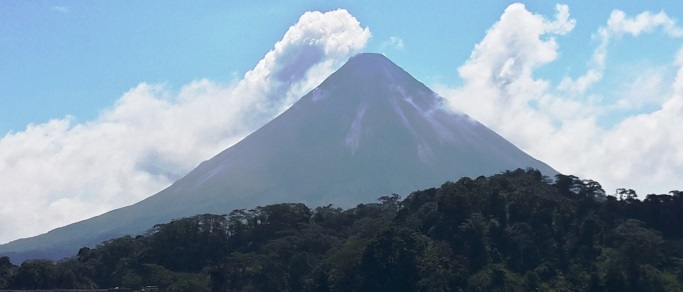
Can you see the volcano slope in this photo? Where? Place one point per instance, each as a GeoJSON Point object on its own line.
{"type": "Point", "coordinates": [370, 129]}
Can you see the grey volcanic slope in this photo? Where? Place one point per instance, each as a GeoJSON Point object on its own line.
{"type": "Point", "coordinates": [370, 129]}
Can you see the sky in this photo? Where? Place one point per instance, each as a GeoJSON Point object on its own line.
{"type": "Point", "coordinates": [104, 103]}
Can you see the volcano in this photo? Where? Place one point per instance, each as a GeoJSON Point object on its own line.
{"type": "Point", "coordinates": [369, 130]}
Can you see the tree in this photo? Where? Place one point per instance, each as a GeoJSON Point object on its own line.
{"type": "Point", "coordinates": [475, 234]}
{"type": "Point", "coordinates": [36, 274]}
{"type": "Point", "coordinates": [513, 231]}
{"type": "Point", "coordinates": [522, 237]}
{"type": "Point", "coordinates": [626, 194]}
{"type": "Point", "coordinates": [390, 260]}
{"type": "Point", "coordinates": [495, 278]}
{"type": "Point", "coordinates": [637, 246]}
{"type": "Point", "coordinates": [592, 189]}
{"type": "Point", "coordinates": [7, 270]}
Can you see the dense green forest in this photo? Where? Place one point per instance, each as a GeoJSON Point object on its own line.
{"type": "Point", "coordinates": [515, 231]}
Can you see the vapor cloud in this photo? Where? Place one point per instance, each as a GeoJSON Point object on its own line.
{"type": "Point", "coordinates": [64, 171]}
{"type": "Point", "coordinates": [394, 42]}
{"type": "Point", "coordinates": [559, 123]}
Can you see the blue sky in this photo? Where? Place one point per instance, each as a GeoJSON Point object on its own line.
{"type": "Point", "coordinates": [77, 57]}
{"type": "Point", "coordinates": [105, 103]}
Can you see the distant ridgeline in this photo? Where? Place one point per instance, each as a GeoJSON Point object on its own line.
{"type": "Point", "coordinates": [515, 231]}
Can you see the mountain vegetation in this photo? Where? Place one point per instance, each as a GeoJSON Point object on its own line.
{"type": "Point", "coordinates": [514, 231]}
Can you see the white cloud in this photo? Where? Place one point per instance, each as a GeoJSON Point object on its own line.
{"type": "Point", "coordinates": [643, 151]}
{"type": "Point", "coordinates": [618, 25]}
{"type": "Point", "coordinates": [397, 42]}
{"type": "Point", "coordinates": [393, 42]}
{"type": "Point", "coordinates": [559, 125]}
{"type": "Point", "coordinates": [63, 171]}
{"type": "Point", "coordinates": [645, 85]}
{"type": "Point", "coordinates": [498, 76]}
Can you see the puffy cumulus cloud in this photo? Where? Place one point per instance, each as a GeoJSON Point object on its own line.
{"type": "Point", "coordinates": [559, 124]}
{"type": "Point", "coordinates": [499, 85]}
{"type": "Point", "coordinates": [63, 171]}
{"type": "Point", "coordinates": [309, 51]}
{"type": "Point", "coordinates": [645, 86]}
{"type": "Point", "coordinates": [618, 25]}
{"type": "Point", "coordinates": [513, 47]}
{"type": "Point", "coordinates": [644, 151]}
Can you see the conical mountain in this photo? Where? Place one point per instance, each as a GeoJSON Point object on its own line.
{"type": "Point", "coordinates": [370, 129]}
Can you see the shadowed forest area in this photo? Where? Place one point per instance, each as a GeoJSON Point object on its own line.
{"type": "Point", "coordinates": [514, 231]}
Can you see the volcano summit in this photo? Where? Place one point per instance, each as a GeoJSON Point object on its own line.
{"type": "Point", "coordinates": [370, 129]}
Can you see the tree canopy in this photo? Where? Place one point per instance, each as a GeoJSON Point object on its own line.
{"type": "Point", "coordinates": [515, 231]}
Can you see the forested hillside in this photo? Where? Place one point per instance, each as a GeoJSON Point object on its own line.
{"type": "Point", "coordinates": [515, 231]}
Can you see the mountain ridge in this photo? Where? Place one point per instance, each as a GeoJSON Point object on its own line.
{"type": "Point", "coordinates": [370, 129]}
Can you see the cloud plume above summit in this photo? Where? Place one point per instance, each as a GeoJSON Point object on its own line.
{"type": "Point", "coordinates": [62, 171]}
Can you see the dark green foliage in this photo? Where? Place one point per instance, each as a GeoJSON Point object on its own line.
{"type": "Point", "coordinates": [7, 271]}
{"type": "Point", "coordinates": [516, 231]}
{"type": "Point", "coordinates": [36, 274]}
{"type": "Point", "coordinates": [390, 260]}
